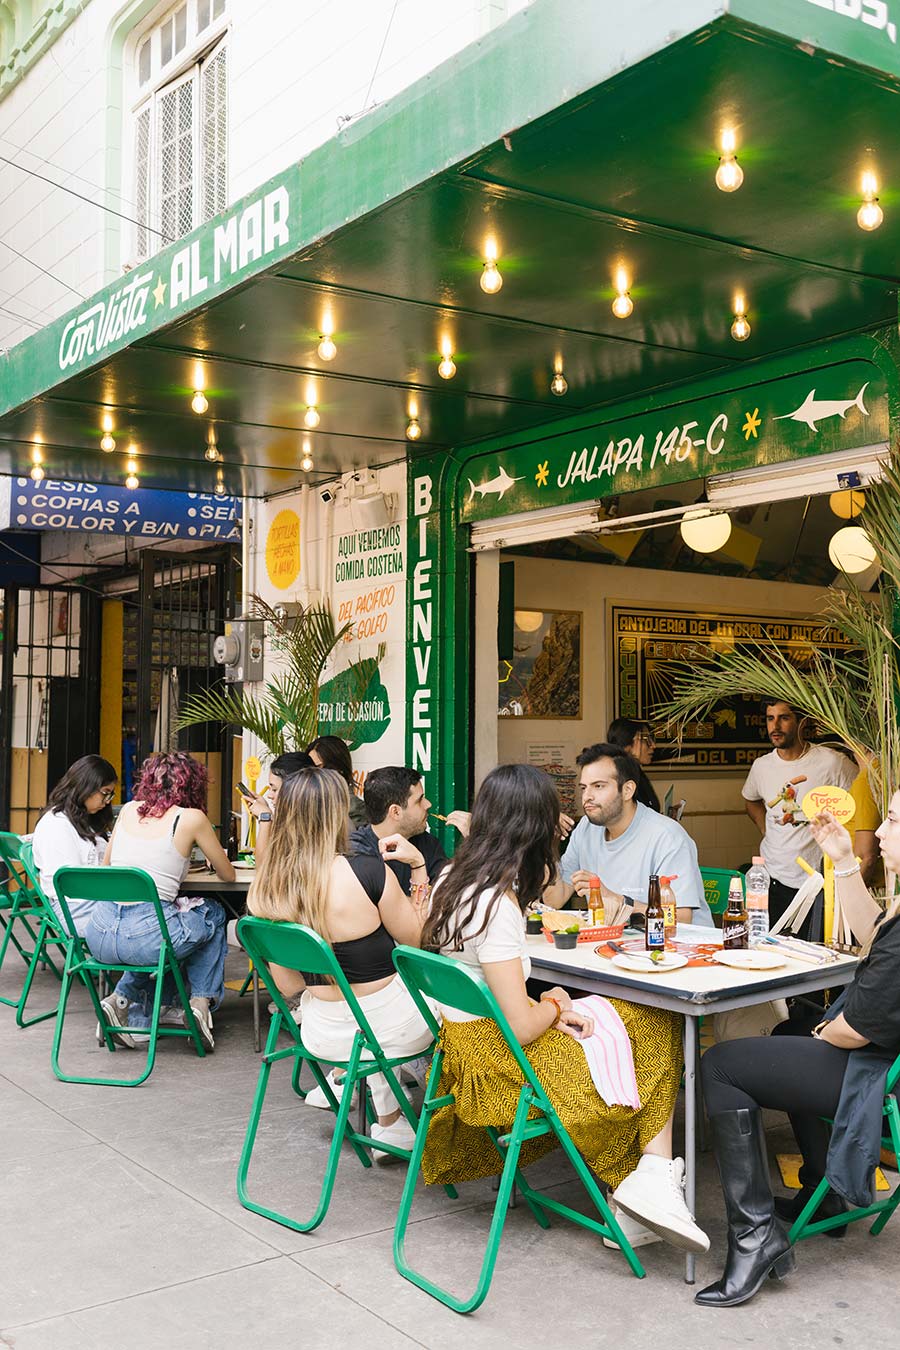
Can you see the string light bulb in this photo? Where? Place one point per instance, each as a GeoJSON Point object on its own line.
{"type": "Point", "coordinates": [199, 402]}
{"type": "Point", "coordinates": [870, 215]}
{"type": "Point", "coordinates": [740, 327]}
{"type": "Point", "coordinates": [219, 488]}
{"type": "Point", "coordinates": [306, 462]}
{"type": "Point", "coordinates": [623, 305]}
{"type": "Point", "coordinates": [107, 442]}
{"type": "Point", "coordinates": [327, 348]}
{"type": "Point", "coordinates": [413, 429]}
{"type": "Point", "coordinates": [729, 174]}
{"type": "Point", "coordinates": [559, 384]}
{"type": "Point", "coordinates": [212, 453]}
{"type": "Point", "coordinates": [311, 417]}
{"type": "Point", "coordinates": [131, 481]}
{"type": "Point", "coordinates": [447, 367]}
{"type": "Point", "coordinates": [491, 280]}
{"type": "Point", "coordinates": [37, 472]}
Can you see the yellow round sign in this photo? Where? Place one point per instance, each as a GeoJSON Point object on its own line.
{"type": "Point", "coordinates": [283, 550]}
{"type": "Point", "coordinates": [833, 799]}
{"type": "Point", "coordinates": [252, 767]}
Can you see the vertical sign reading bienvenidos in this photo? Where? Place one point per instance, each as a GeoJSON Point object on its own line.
{"type": "Point", "coordinates": [422, 664]}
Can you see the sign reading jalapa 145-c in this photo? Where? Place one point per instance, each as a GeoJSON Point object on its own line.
{"type": "Point", "coordinates": [835, 408]}
{"type": "Point", "coordinates": [148, 514]}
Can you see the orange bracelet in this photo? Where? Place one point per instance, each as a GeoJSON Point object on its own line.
{"type": "Point", "coordinates": [545, 998]}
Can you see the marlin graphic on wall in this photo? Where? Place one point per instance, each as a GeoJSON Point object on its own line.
{"type": "Point", "coordinates": [813, 410]}
{"type": "Point", "coordinates": [498, 486]}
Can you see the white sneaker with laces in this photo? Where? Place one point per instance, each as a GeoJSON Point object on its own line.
{"type": "Point", "coordinates": [171, 1016]}
{"type": "Point", "coordinates": [400, 1133]}
{"type": "Point", "coordinates": [636, 1233]}
{"type": "Point", "coordinates": [203, 1018]}
{"type": "Point", "coordinates": [316, 1096]}
{"type": "Point", "coordinates": [653, 1195]}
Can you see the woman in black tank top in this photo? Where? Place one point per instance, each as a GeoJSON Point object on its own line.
{"type": "Point", "coordinates": [357, 905]}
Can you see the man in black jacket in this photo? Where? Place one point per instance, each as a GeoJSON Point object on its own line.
{"type": "Point", "coordinates": [398, 814]}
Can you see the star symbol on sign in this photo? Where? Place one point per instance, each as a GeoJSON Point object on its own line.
{"type": "Point", "coordinates": [543, 473]}
{"type": "Point", "coordinates": [159, 293]}
{"type": "Point", "coordinates": [751, 424]}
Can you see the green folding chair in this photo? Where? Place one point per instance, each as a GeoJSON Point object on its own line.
{"type": "Point", "coordinates": [806, 1225]}
{"type": "Point", "coordinates": [427, 975]}
{"type": "Point", "coordinates": [299, 948]}
{"type": "Point", "coordinates": [23, 902]}
{"type": "Point", "coordinates": [716, 881]}
{"type": "Point", "coordinates": [116, 886]}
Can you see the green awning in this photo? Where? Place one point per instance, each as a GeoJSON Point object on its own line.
{"type": "Point", "coordinates": [584, 136]}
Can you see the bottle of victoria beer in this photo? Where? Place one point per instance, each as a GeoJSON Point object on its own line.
{"type": "Point", "coordinates": [735, 932]}
{"type": "Point", "coordinates": [655, 930]}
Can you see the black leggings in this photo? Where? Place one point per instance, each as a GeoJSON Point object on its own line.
{"type": "Point", "coordinates": [790, 1073]}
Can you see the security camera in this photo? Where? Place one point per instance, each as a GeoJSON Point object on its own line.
{"type": "Point", "coordinates": [326, 495]}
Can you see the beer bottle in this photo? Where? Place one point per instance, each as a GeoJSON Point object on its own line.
{"type": "Point", "coordinates": [735, 934]}
{"type": "Point", "coordinates": [655, 930]}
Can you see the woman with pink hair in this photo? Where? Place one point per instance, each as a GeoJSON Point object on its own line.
{"type": "Point", "coordinates": [157, 832]}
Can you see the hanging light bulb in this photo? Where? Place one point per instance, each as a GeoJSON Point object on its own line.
{"type": "Point", "coordinates": [740, 328]}
{"type": "Point", "coordinates": [729, 174]}
{"type": "Point", "coordinates": [870, 215]}
{"type": "Point", "coordinates": [37, 472]}
{"type": "Point", "coordinates": [212, 453]}
{"type": "Point", "coordinates": [306, 462]}
{"type": "Point", "coordinates": [623, 305]}
{"type": "Point", "coordinates": [131, 481]}
{"type": "Point", "coordinates": [413, 429]}
{"type": "Point", "coordinates": [491, 280]}
{"type": "Point", "coordinates": [851, 550]}
{"type": "Point", "coordinates": [327, 347]}
{"type": "Point", "coordinates": [107, 442]}
{"type": "Point", "coordinates": [311, 417]}
{"type": "Point", "coordinates": [559, 384]}
{"type": "Point", "coordinates": [447, 367]}
{"type": "Point", "coordinates": [219, 488]}
{"type": "Point", "coordinates": [705, 531]}
{"type": "Point", "coordinates": [199, 402]}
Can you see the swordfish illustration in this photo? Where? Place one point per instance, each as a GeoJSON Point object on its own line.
{"type": "Point", "coordinates": [494, 486]}
{"type": "Point", "coordinates": [813, 410]}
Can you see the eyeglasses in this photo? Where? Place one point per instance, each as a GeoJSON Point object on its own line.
{"type": "Point", "coordinates": [107, 794]}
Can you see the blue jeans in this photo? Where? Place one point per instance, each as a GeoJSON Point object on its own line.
{"type": "Point", "coordinates": [131, 933]}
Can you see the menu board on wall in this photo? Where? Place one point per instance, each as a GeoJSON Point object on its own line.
{"type": "Point", "coordinates": [648, 646]}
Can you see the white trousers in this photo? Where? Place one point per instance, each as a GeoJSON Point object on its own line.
{"type": "Point", "coordinates": [328, 1028]}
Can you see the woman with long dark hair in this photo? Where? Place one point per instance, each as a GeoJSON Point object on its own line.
{"type": "Point", "coordinates": [356, 905]}
{"type": "Point", "coordinates": [637, 740]}
{"type": "Point", "coordinates": [331, 752]}
{"type": "Point", "coordinates": [477, 916]}
{"type": "Point", "coordinates": [73, 829]}
{"type": "Point", "coordinates": [157, 832]}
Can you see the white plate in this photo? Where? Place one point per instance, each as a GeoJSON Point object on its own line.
{"type": "Point", "coordinates": [244, 866]}
{"type": "Point", "coordinates": [634, 961]}
{"type": "Point", "coordinates": [752, 959]}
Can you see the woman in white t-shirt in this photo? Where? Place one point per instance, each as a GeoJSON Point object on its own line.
{"type": "Point", "coordinates": [73, 829]}
{"type": "Point", "coordinates": [477, 916]}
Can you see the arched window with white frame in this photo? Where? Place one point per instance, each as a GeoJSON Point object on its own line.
{"type": "Point", "coordinates": [178, 122]}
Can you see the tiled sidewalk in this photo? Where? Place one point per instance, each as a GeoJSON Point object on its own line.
{"type": "Point", "coordinates": [120, 1229]}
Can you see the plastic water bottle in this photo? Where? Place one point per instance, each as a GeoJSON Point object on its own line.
{"type": "Point", "coordinates": [758, 901]}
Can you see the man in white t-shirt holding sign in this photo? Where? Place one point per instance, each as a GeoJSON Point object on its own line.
{"type": "Point", "coordinates": [773, 793]}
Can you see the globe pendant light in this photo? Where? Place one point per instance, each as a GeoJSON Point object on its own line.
{"type": "Point", "coordinates": [706, 531]}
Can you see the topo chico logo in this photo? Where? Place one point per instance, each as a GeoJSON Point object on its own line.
{"type": "Point", "coordinates": [873, 13]}
{"type": "Point", "coordinates": [106, 321]}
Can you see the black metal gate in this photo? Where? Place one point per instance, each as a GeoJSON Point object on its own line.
{"type": "Point", "coordinates": [49, 693]}
{"type": "Point", "coordinates": [184, 601]}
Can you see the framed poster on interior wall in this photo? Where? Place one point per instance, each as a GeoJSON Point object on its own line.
{"type": "Point", "coordinates": [543, 677]}
{"type": "Point", "coordinates": [649, 646]}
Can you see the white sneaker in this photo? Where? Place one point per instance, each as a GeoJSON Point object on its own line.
{"type": "Point", "coordinates": [653, 1194]}
{"type": "Point", "coordinates": [636, 1233]}
{"type": "Point", "coordinates": [400, 1133]}
{"type": "Point", "coordinates": [115, 1010]}
{"type": "Point", "coordinates": [203, 1018]}
{"type": "Point", "coordinates": [316, 1097]}
{"type": "Point", "coordinates": [171, 1016]}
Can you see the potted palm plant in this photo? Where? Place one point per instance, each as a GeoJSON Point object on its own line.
{"type": "Point", "coordinates": [285, 715]}
{"type": "Point", "coordinates": [852, 694]}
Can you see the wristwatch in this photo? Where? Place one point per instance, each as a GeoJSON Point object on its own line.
{"type": "Point", "coordinates": [264, 816]}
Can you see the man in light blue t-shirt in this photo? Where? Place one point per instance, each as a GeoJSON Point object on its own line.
{"type": "Point", "coordinates": [625, 843]}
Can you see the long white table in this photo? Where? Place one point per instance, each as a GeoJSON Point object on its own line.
{"type": "Point", "coordinates": [691, 991]}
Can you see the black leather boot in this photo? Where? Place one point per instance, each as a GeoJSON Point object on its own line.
{"type": "Point", "coordinates": [812, 1135]}
{"type": "Point", "coordinates": [757, 1244]}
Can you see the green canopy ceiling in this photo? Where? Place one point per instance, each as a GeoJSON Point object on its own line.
{"type": "Point", "coordinates": [584, 137]}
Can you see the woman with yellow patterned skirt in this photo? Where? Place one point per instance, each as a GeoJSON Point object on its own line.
{"type": "Point", "coordinates": [477, 916]}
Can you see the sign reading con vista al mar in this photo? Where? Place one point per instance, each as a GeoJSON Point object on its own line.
{"type": "Point", "coordinates": [151, 513]}
{"type": "Point", "coordinates": [833, 408]}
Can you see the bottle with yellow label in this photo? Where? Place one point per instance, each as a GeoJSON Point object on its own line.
{"type": "Point", "coordinates": [667, 896]}
{"type": "Point", "coordinates": [596, 912]}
